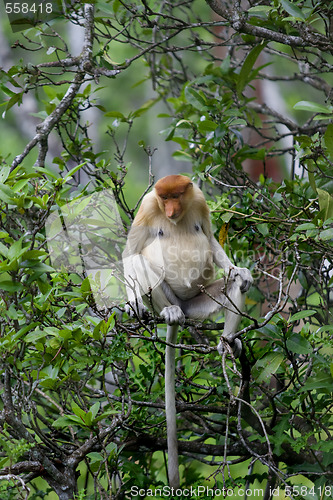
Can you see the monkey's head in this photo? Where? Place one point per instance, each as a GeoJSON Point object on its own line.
{"type": "Point", "coordinates": [174, 194]}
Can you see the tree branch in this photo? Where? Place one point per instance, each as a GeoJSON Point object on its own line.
{"type": "Point", "coordinates": [238, 23]}
{"type": "Point", "coordinates": [85, 65]}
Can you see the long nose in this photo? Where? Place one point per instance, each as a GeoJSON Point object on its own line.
{"type": "Point", "coordinates": [171, 209]}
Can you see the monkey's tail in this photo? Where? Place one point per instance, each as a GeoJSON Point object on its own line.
{"type": "Point", "coordinates": [170, 407]}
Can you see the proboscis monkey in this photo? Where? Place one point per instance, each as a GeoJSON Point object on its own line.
{"type": "Point", "coordinates": [169, 257]}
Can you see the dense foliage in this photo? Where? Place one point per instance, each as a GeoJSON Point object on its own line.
{"type": "Point", "coordinates": [246, 96]}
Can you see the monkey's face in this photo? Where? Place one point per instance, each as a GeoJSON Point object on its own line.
{"type": "Point", "coordinates": [173, 194]}
{"type": "Point", "coordinates": [172, 206]}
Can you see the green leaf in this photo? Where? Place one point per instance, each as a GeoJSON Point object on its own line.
{"type": "Point", "coordinates": [51, 372]}
{"type": "Point", "coordinates": [67, 420]}
{"type": "Point", "coordinates": [4, 250]}
{"type": "Point", "coordinates": [6, 194]}
{"type": "Point", "coordinates": [245, 73]}
{"type": "Point", "coordinates": [292, 9]}
{"type": "Point", "coordinates": [183, 155]}
{"type": "Point", "coordinates": [34, 254]}
{"type": "Point", "coordinates": [35, 335]}
{"type": "Point", "coordinates": [26, 328]}
{"type": "Point", "coordinates": [266, 366]}
{"type": "Point", "coordinates": [116, 114]}
{"type": "Point", "coordinates": [73, 171]}
{"type": "Point", "coordinates": [325, 203]}
{"type": "Point", "coordinates": [260, 9]}
{"type": "Point", "coordinates": [326, 235]}
{"type": "Point", "coordinates": [10, 286]}
{"type": "Point", "coordinates": [4, 173]}
{"type": "Point", "coordinates": [95, 409]}
{"type": "Point", "coordinates": [17, 98]}
{"type": "Point", "coordinates": [6, 90]}
{"type": "Point", "coordinates": [325, 328]}
{"type": "Point", "coordinates": [281, 433]}
{"type": "Point", "coordinates": [94, 456]}
{"type": "Point", "coordinates": [38, 267]}
{"type": "Point", "coordinates": [50, 92]}
{"type": "Point", "coordinates": [15, 250]}
{"type": "Point", "coordinates": [312, 179]}
{"type": "Point", "coordinates": [78, 411]}
{"type": "Point", "coordinates": [227, 217]}
{"type": "Point", "coordinates": [116, 5]}
{"type": "Point", "coordinates": [20, 185]}
{"type": "Point", "coordinates": [322, 383]}
{"type": "Point", "coordinates": [15, 337]}
{"type": "Point", "coordinates": [147, 105]}
{"type": "Point", "coordinates": [298, 344]}
{"type": "Point", "coordinates": [314, 107]}
{"type": "Point", "coordinates": [328, 138]}
{"type": "Point", "coordinates": [263, 229]}
{"type": "Point", "coordinates": [97, 223]}
{"type": "Point", "coordinates": [305, 226]}
{"type": "Point", "coordinates": [302, 314]}
{"type": "Point", "coordinates": [196, 99]}
{"type": "Point", "coordinates": [104, 7]}
{"type": "Point", "coordinates": [206, 126]}
{"type": "Point", "coordinates": [184, 124]}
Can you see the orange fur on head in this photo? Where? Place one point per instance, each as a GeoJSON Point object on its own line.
{"type": "Point", "coordinates": [172, 184]}
{"type": "Point", "coordinates": [172, 192]}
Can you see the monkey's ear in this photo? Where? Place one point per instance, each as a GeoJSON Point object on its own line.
{"type": "Point", "coordinates": [189, 188]}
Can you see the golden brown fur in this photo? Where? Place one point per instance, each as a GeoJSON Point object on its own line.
{"type": "Point", "coordinates": [170, 256]}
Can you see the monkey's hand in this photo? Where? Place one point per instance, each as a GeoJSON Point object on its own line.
{"type": "Point", "coordinates": [136, 308]}
{"type": "Point", "coordinates": [236, 347]}
{"type": "Point", "coordinates": [172, 315]}
{"type": "Point", "coordinates": [245, 276]}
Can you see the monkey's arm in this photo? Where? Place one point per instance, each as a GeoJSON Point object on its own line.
{"type": "Point", "coordinates": [221, 260]}
{"type": "Point", "coordinates": [142, 278]}
{"type": "Point", "coordinates": [134, 268]}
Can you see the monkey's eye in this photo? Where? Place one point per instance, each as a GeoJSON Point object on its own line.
{"type": "Point", "coordinates": [164, 197]}
{"type": "Point", "coordinates": [175, 196]}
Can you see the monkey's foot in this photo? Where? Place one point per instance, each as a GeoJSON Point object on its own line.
{"type": "Point", "coordinates": [136, 308]}
{"type": "Point", "coordinates": [236, 347]}
{"type": "Point", "coordinates": [173, 315]}
{"type": "Point", "coordinates": [245, 276]}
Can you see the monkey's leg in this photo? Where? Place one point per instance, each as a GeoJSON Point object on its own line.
{"type": "Point", "coordinates": [233, 310]}
{"type": "Point", "coordinates": [166, 303]}
{"type": "Point", "coordinates": [170, 407]}
{"type": "Point", "coordinates": [207, 302]}
{"type": "Point", "coordinates": [216, 296]}
{"type": "Point", "coordinates": [141, 277]}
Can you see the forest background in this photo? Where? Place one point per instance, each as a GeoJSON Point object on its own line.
{"type": "Point", "coordinates": [95, 105]}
